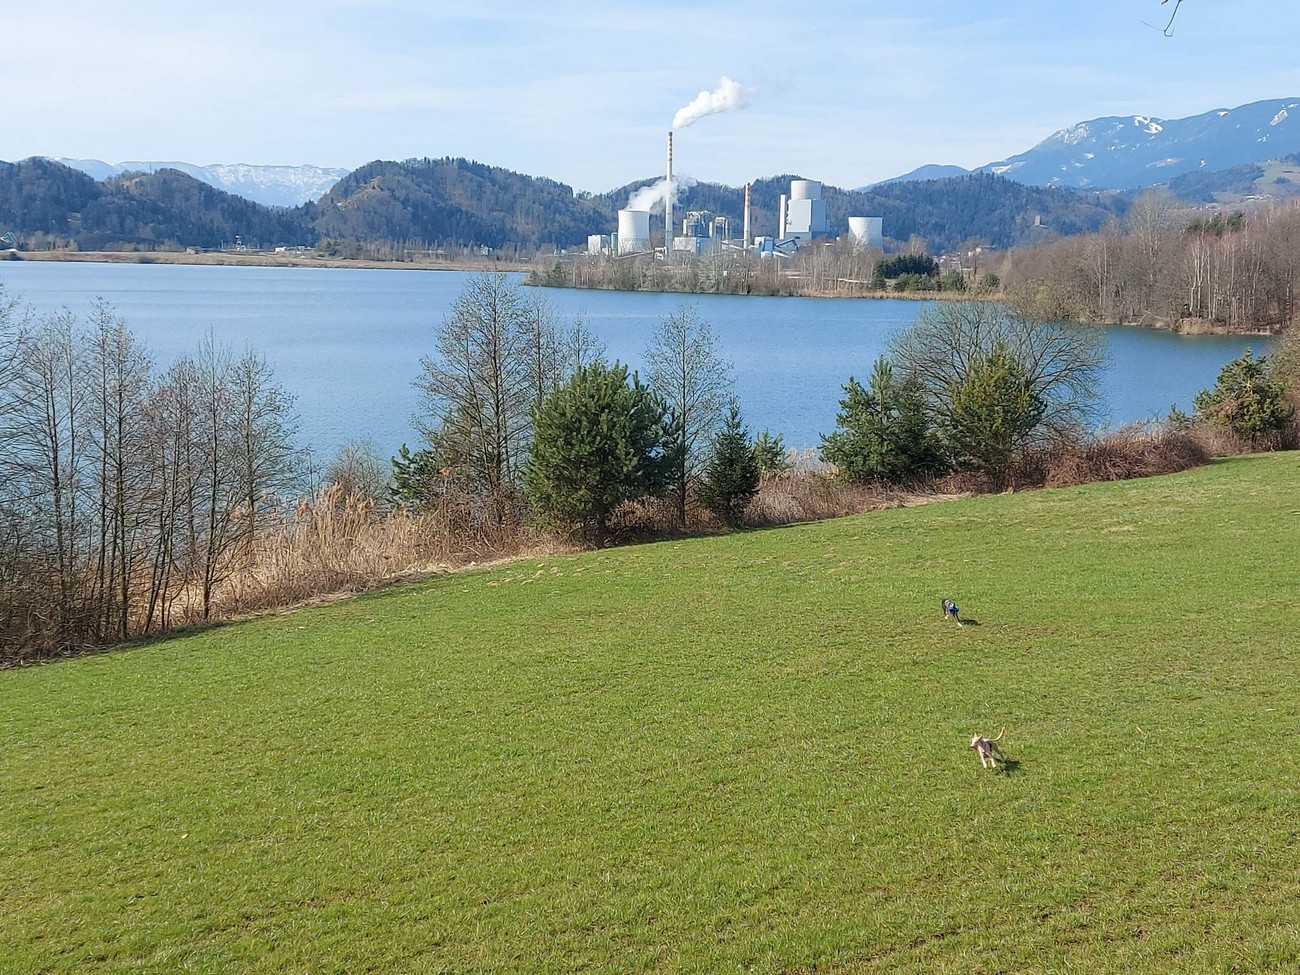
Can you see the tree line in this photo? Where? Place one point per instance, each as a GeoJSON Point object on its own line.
{"type": "Point", "coordinates": [522, 414]}
{"type": "Point", "coordinates": [127, 493]}
{"type": "Point", "coordinates": [1162, 265]}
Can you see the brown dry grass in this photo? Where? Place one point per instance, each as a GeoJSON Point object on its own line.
{"type": "Point", "coordinates": [797, 495]}
{"type": "Point", "coordinates": [812, 496]}
{"type": "Point", "coordinates": [338, 543]}
{"type": "Point", "coordinates": [1129, 452]}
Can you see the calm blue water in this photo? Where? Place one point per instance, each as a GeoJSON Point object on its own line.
{"type": "Point", "coordinates": [348, 342]}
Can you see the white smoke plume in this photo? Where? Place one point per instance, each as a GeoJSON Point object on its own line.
{"type": "Point", "coordinates": [729, 96]}
{"type": "Point", "coordinates": [652, 197]}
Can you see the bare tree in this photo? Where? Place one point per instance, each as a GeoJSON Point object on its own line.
{"type": "Point", "coordinates": [684, 368]}
{"type": "Point", "coordinates": [263, 428]}
{"type": "Point", "coordinates": [117, 372]}
{"type": "Point", "coordinates": [1168, 29]}
{"type": "Point", "coordinates": [1061, 364]}
{"type": "Point", "coordinates": [480, 385]}
{"type": "Point", "coordinates": [173, 505]}
{"type": "Point", "coordinates": [1151, 228]}
{"type": "Point", "coordinates": [581, 348]}
{"type": "Point", "coordinates": [14, 607]}
{"type": "Point", "coordinates": [359, 472]}
{"type": "Point", "coordinates": [544, 354]}
{"type": "Point", "coordinates": [49, 402]}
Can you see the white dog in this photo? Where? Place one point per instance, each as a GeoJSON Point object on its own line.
{"type": "Point", "coordinates": [987, 748]}
{"type": "Point", "coordinates": [950, 611]}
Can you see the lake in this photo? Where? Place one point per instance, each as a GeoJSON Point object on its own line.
{"type": "Point", "coordinates": [348, 342]}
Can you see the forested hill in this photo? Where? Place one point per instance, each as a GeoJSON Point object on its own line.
{"type": "Point", "coordinates": [42, 199]}
{"type": "Point", "coordinates": [946, 212]}
{"type": "Point", "coordinates": [455, 201]}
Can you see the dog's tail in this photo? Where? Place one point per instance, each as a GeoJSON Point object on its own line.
{"type": "Point", "coordinates": [1000, 734]}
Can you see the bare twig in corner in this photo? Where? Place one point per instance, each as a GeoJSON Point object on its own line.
{"type": "Point", "coordinates": [1168, 29]}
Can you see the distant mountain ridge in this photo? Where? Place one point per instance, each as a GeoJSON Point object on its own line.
{"type": "Point", "coordinates": [929, 171]}
{"type": "Point", "coordinates": [282, 186]}
{"type": "Point", "coordinates": [432, 202]}
{"type": "Point", "coordinates": [41, 199]}
{"type": "Point", "coordinates": [1128, 153]}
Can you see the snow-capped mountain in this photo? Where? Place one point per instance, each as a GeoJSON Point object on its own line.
{"type": "Point", "coordinates": [284, 186]}
{"type": "Point", "coordinates": [1129, 153]}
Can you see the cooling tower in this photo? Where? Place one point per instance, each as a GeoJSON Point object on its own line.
{"type": "Point", "coordinates": [867, 231]}
{"type": "Point", "coordinates": [633, 231]}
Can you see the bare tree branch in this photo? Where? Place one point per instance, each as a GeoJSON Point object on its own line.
{"type": "Point", "coordinates": [1168, 29]}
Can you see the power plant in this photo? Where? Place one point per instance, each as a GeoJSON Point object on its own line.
{"type": "Point", "coordinates": [801, 214]}
{"type": "Point", "coordinates": [801, 219]}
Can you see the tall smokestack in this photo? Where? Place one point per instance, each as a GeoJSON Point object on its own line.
{"type": "Point", "coordinates": [780, 219]}
{"type": "Point", "coordinates": [744, 241]}
{"type": "Point", "coordinates": [668, 205]}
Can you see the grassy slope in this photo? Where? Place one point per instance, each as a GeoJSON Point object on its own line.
{"type": "Point", "coordinates": [720, 754]}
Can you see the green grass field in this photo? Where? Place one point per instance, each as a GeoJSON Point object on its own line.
{"type": "Point", "coordinates": [745, 753]}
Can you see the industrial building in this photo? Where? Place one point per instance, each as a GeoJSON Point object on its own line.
{"type": "Point", "coordinates": [868, 231]}
{"type": "Point", "coordinates": [802, 216]}
{"type": "Point", "coordinates": [703, 233]}
{"type": "Point", "coordinates": [801, 219]}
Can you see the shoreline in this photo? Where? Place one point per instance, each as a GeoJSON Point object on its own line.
{"type": "Point", "coordinates": [1185, 326]}
{"type": "Point", "coordinates": [260, 259]}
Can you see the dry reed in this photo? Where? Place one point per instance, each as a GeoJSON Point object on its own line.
{"type": "Point", "coordinates": [1129, 452]}
{"type": "Point", "coordinates": [340, 543]}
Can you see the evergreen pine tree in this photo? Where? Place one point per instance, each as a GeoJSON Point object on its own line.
{"type": "Point", "coordinates": [1246, 399]}
{"type": "Point", "coordinates": [884, 433]}
{"type": "Point", "coordinates": [731, 476]}
{"type": "Point", "coordinates": [769, 451]}
{"type": "Point", "coordinates": [414, 477]}
{"type": "Point", "coordinates": [598, 441]}
{"type": "Point", "coordinates": [993, 413]}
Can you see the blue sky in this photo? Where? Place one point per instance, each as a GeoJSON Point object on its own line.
{"type": "Point", "coordinates": [848, 93]}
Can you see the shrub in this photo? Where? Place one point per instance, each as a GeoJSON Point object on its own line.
{"type": "Point", "coordinates": [1247, 400]}
{"type": "Point", "coordinates": [1133, 451]}
{"type": "Point", "coordinates": [952, 281]}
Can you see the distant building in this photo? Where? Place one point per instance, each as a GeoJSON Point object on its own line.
{"type": "Point", "coordinates": [702, 233]}
{"type": "Point", "coordinates": [803, 215]}
{"type": "Point", "coordinates": [868, 231]}
{"type": "Point", "coordinates": [633, 231]}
